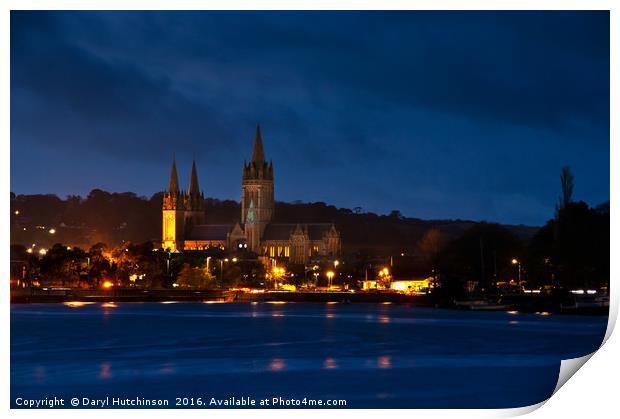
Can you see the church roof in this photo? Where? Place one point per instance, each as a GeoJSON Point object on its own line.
{"type": "Point", "coordinates": [258, 154]}
{"type": "Point", "coordinates": [209, 232]}
{"type": "Point", "coordinates": [173, 188]}
{"type": "Point", "coordinates": [194, 189]}
{"type": "Point", "coordinates": [274, 231]}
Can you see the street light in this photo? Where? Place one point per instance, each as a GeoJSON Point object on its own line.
{"type": "Point", "coordinates": [330, 275]}
{"type": "Point", "coordinates": [518, 263]}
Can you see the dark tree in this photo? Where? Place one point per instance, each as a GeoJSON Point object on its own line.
{"type": "Point", "coordinates": [567, 182]}
{"type": "Point", "coordinates": [572, 250]}
{"type": "Point", "coordinates": [483, 254]}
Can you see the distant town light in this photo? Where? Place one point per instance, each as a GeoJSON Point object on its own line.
{"type": "Point", "coordinates": [16, 212]}
{"type": "Point", "coordinates": [515, 261]}
{"type": "Point", "coordinates": [52, 231]}
{"type": "Point", "coordinates": [29, 250]}
{"type": "Point", "coordinates": [107, 284]}
{"type": "Point", "coordinates": [42, 251]}
{"type": "Point", "coordinates": [234, 259]}
{"type": "Point", "coordinates": [68, 247]}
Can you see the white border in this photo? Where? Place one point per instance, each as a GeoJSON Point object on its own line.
{"type": "Point", "coordinates": [592, 394]}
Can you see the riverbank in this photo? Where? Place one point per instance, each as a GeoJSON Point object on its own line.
{"type": "Point", "coordinates": [38, 295]}
{"type": "Point", "coordinates": [521, 303]}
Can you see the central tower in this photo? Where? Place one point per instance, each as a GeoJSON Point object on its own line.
{"type": "Point", "coordinates": [257, 195]}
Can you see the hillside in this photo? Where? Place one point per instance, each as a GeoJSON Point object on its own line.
{"type": "Point", "coordinates": [115, 217]}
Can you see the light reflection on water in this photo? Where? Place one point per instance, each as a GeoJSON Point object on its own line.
{"type": "Point", "coordinates": [167, 369]}
{"type": "Point", "coordinates": [384, 362]}
{"type": "Point", "coordinates": [330, 363]}
{"type": "Point", "coordinates": [40, 373]}
{"type": "Point", "coordinates": [76, 304]}
{"type": "Point", "coordinates": [105, 371]}
{"type": "Point", "coordinates": [277, 364]}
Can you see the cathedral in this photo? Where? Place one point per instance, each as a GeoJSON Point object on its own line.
{"type": "Point", "coordinates": [184, 228]}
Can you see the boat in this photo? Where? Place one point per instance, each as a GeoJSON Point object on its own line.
{"type": "Point", "coordinates": [480, 305]}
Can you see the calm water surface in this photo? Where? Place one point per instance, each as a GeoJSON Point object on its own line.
{"type": "Point", "coordinates": [372, 355]}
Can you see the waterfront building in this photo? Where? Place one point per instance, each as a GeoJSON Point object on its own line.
{"type": "Point", "coordinates": [184, 228]}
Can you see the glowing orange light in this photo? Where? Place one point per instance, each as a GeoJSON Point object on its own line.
{"type": "Point", "coordinates": [77, 303]}
{"type": "Point", "coordinates": [108, 284]}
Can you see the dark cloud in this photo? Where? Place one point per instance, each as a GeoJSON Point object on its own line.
{"type": "Point", "coordinates": [456, 114]}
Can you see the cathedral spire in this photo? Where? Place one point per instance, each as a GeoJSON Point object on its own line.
{"type": "Point", "coordinates": [174, 179]}
{"type": "Point", "coordinates": [194, 189]}
{"type": "Point", "coordinates": [258, 155]}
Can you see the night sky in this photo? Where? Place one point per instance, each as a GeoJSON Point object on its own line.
{"type": "Point", "coordinates": [465, 115]}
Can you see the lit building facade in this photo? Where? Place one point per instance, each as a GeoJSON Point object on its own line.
{"type": "Point", "coordinates": [184, 228]}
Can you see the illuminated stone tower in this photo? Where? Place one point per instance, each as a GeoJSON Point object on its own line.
{"type": "Point", "coordinates": [173, 213]}
{"type": "Point", "coordinates": [257, 193]}
{"type": "Point", "coordinates": [194, 202]}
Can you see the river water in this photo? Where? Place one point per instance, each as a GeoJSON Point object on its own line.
{"type": "Point", "coordinates": [371, 355]}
